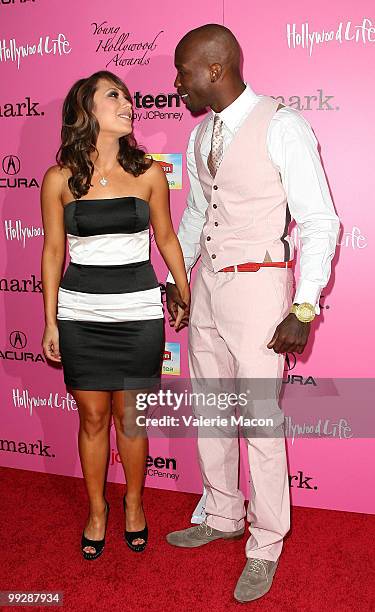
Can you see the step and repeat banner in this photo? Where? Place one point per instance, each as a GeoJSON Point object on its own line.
{"type": "Point", "coordinates": [317, 58]}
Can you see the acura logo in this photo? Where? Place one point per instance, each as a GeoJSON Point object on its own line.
{"type": "Point", "coordinates": [18, 339]}
{"type": "Point", "coordinates": [11, 164]}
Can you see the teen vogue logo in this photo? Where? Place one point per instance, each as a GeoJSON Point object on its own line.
{"type": "Point", "coordinates": [156, 467]}
{"type": "Point", "coordinates": [149, 106]}
{"type": "Point", "coordinates": [10, 179]}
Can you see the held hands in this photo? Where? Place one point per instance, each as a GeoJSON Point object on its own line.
{"type": "Point", "coordinates": [178, 304]}
{"type": "Point", "coordinates": [50, 343]}
{"type": "Point", "coordinates": [290, 335]}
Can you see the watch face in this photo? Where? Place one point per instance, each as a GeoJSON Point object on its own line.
{"type": "Point", "coordinates": [306, 312]}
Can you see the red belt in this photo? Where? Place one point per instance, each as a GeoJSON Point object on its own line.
{"type": "Point", "coordinates": [252, 266]}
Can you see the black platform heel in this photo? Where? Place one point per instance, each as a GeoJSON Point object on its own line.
{"type": "Point", "coordinates": [130, 536]}
{"type": "Point", "coordinates": [97, 544]}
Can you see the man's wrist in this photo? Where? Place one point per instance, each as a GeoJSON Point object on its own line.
{"type": "Point", "coordinates": [304, 311]}
{"type": "Point", "coordinates": [308, 291]}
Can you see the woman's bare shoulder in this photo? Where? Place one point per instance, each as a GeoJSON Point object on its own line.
{"type": "Point", "coordinates": [155, 173]}
{"type": "Point", "coordinates": [56, 178]}
{"type": "Point", "coordinates": [55, 181]}
{"type": "Point", "coordinates": [57, 174]}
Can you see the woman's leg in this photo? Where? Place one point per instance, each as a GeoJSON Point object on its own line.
{"type": "Point", "coordinates": [132, 445]}
{"type": "Point", "coordinates": [94, 409]}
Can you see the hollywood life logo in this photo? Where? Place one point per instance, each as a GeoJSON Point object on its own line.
{"type": "Point", "coordinates": [38, 448]}
{"type": "Point", "coordinates": [351, 239]}
{"type": "Point", "coordinates": [11, 167]}
{"type": "Point", "coordinates": [147, 106]}
{"type": "Point", "coordinates": [339, 428]}
{"type": "Point", "coordinates": [171, 163]}
{"type": "Point", "coordinates": [18, 341]}
{"type": "Point", "coordinates": [12, 51]}
{"type": "Point", "coordinates": [171, 359]}
{"type": "Point", "coordinates": [15, 230]}
{"type": "Point", "coordinates": [319, 102]}
{"type": "Point", "coordinates": [23, 285]}
{"type": "Point", "coordinates": [23, 398]}
{"type": "Point", "coordinates": [306, 38]}
{"type": "Point", "coordinates": [122, 48]}
{"type": "Point", "coordinates": [27, 108]}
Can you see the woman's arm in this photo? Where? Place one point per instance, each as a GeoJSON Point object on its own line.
{"type": "Point", "coordinates": [165, 236]}
{"type": "Point", "coordinates": [52, 256]}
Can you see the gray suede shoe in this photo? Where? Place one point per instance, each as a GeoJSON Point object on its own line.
{"type": "Point", "coordinates": [192, 537]}
{"type": "Point", "coordinates": [255, 580]}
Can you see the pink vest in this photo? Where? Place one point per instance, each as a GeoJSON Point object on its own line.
{"type": "Point", "coordinates": [247, 216]}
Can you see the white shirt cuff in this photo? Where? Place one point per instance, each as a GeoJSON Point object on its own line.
{"type": "Point", "coordinates": [308, 291]}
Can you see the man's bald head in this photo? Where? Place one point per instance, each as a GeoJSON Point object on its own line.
{"type": "Point", "coordinates": [207, 60]}
{"type": "Point", "coordinates": [213, 43]}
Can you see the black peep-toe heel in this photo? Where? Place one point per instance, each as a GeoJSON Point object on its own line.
{"type": "Point", "coordinates": [97, 544]}
{"type": "Point", "coordinates": [130, 536]}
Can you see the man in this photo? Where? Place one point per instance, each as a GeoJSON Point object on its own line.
{"type": "Point", "coordinates": [252, 164]}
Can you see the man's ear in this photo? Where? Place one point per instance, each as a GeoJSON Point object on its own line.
{"type": "Point", "coordinates": [215, 72]}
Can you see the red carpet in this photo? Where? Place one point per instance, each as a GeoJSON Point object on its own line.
{"type": "Point", "coordinates": [327, 561]}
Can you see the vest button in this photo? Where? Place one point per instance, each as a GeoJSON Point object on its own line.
{"type": "Point", "coordinates": [208, 237]}
{"type": "Point", "coordinates": [213, 256]}
{"type": "Point", "coordinates": [216, 187]}
{"type": "Point", "coordinates": [214, 205]}
{"type": "Point", "coordinates": [216, 224]}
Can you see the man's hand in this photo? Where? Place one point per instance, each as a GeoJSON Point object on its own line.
{"type": "Point", "coordinates": [178, 308]}
{"type": "Point", "coordinates": [290, 336]}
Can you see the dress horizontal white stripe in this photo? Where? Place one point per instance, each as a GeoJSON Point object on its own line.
{"type": "Point", "coordinates": [110, 307]}
{"type": "Point", "coordinates": [109, 249]}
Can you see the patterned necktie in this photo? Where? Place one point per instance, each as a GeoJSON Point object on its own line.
{"type": "Point", "coordinates": [216, 153]}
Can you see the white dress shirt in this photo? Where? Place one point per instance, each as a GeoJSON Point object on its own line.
{"type": "Point", "coordinates": [292, 148]}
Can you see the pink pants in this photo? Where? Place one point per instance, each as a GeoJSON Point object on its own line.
{"type": "Point", "coordinates": [233, 317]}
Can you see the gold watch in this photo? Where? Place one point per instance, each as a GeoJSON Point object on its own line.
{"type": "Point", "coordinates": [304, 312]}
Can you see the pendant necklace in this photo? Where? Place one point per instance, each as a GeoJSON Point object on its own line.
{"type": "Point", "coordinates": [104, 181]}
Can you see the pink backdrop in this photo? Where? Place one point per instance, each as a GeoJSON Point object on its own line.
{"type": "Point", "coordinates": [328, 81]}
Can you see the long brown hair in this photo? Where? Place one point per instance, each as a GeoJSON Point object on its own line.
{"type": "Point", "coordinates": [79, 134]}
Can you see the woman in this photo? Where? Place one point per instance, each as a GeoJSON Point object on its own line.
{"type": "Point", "coordinates": [104, 319]}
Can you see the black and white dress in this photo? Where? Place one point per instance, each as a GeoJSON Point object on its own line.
{"type": "Point", "coordinates": [110, 313]}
